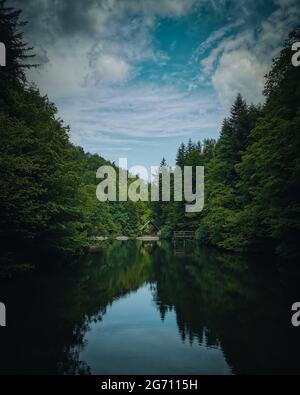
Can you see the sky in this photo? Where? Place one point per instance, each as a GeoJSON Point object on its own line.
{"type": "Point", "coordinates": [135, 78]}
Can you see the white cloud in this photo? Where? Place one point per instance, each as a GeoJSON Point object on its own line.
{"type": "Point", "coordinates": [63, 74]}
{"type": "Point", "coordinates": [111, 68]}
{"type": "Point", "coordinates": [227, 45]}
{"type": "Point", "coordinates": [150, 8]}
{"type": "Point", "coordinates": [239, 72]}
{"type": "Point", "coordinates": [132, 115]}
{"type": "Point", "coordinates": [91, 49]}
{"type": "Point", "coordinates": [215, 37]}
{"type": "Point", "coordinates": [239, 62]}
{"type": "Point", "coordinates": [94, 42]}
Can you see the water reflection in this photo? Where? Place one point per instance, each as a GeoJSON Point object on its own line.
{"type": "Point", "coordinates": [152, 308]}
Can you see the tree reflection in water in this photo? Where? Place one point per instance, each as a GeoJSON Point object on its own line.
{"type": "Point", "coordinates": [220, 301]}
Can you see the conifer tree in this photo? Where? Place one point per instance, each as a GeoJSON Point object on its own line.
{"type": "Point", "coordinates": [18, 52]}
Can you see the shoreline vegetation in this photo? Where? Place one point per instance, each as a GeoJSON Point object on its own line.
{"type": "Point", "coordinates": [48, 186]}
{"type": "Point", "coordinates": [252, 172]}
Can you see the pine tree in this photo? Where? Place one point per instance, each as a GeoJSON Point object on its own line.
{"type": "Point", "coordinates": [282, 88]}
{"type": "Point", "coordinates": [163, 162]}
{"type": "Point", "coordinates": [17, 50]}
{"type": "Point", "coordinates": [180, 158]}
{"type": "Point", "coordinates": [240, 124]}
{"type": "Point", "coordinates": [190, 146]}
{"type": "Point", "coordinates": [199, 147]}
{"type": "Point", "coordinates": [270, 170]}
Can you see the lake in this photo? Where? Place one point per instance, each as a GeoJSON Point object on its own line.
{"type": "Point", "coordinates": [152, 308]}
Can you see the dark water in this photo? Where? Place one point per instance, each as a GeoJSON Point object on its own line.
{"type": "Point", "coordinates": [152, 309]}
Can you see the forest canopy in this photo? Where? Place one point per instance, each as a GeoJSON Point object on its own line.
{"type": "Point", "coordinates": [252, 173]}
{"type": "Point", "coordinates": [48, 185]}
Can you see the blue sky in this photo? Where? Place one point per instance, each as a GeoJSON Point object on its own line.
{"type": "Point", "coordinates": [135, 78]}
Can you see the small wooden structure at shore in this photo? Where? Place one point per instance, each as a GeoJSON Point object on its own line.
{"type": "Point", "coordinates": [184, 234]}
{"type": "Point", "coordinates": [125, 238]}
{"type": "Point", "coordinates": [149, 232]}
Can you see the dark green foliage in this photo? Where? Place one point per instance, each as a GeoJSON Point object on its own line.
{"type": "Point", "coordinates": [47, 186]}
{"type": "Point", "coordinates": [270, 167]}
{"type": "Point", "coordinates": [171, 216]}
{"type": "Point", "coordinates": [18, 51]}
{"type": "Point", "coordinates": [282, 87]}
{"type": "Point", "coordinates": [252, 193]}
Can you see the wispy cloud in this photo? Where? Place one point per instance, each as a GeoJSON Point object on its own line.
{"type": "Point", "coordinates": [239, 61]}
{"type": "Point", "coordinates": [124, 88]}
{"type": "Point", "coordinates": [95, 42]}
{"type": "Point", "coordinates": [140, 112]}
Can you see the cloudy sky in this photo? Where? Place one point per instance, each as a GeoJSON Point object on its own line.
{"type": "Point", "coordinates": [134, 78]}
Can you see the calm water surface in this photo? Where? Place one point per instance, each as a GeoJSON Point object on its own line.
{"type": "Point", "coordinates": [152, 309]}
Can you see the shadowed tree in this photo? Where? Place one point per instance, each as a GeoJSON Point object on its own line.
{"type": "Point", "coordinates": [18, 52]}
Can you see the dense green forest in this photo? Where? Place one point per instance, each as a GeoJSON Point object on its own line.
{"type": "Point", "coordinates": [48, 186]}
{"type": "Point", "coordinates": [252, 180]}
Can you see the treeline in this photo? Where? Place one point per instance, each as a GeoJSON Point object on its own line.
{"type": "Point", "coordinates": [47, 185]}
{"type": "Point", "coordinates": [252, 173]}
